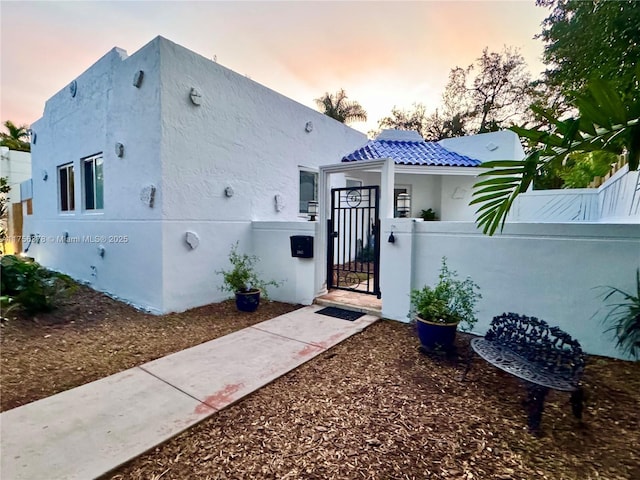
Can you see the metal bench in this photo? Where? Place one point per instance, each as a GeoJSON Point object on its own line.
{"type": "Point", "coordinates": [543, 357]}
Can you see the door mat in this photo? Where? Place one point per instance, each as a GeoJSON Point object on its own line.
{"type": "Point", "coordinates": [340, 313]}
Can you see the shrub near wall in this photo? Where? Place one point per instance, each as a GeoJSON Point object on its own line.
{"type": "Point", "coordinates": [26, 284]}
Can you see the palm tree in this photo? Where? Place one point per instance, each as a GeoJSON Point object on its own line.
{"type": "Point", "coordinates": [17, 138]}
{"type": "Point", "coordinates": [336, 106]}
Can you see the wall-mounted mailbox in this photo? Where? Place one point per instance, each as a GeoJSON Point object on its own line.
{"type": "Point", "coordinates": [302, 246]}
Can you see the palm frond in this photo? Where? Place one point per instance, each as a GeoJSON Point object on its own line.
{"type": "Point", "coordinates": [605, 123]}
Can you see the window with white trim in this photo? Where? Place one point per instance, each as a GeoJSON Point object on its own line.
{"type": "Point", "coordinates": [66, 195]}
{"type": "Point", "coordinates": [93, 182]}
{"type": "Point", "coordinates": [308, 189]}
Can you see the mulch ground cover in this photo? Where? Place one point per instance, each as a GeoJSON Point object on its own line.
{"type": "Point", "coordinates": [373, 407]}
{"type": "Point", "coordinates": [91, 336]}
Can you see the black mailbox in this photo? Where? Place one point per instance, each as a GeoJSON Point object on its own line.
{"type": "Point", "coordinates": [302, 246]}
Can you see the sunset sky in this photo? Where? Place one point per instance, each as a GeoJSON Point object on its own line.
{"type": "Point", "coordinates": [382, 53]}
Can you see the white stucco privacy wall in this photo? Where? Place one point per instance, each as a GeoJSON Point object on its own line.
{"type": "Point", "coordinates": [551, 271]}
{"type": "Point", "coordinates": [271, 243]}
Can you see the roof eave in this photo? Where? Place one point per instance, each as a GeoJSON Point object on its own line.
{"type": "Point", "coordinates": [439, 170]}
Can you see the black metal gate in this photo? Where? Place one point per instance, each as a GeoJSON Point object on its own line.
{"type": "Point", "coordinates": [353, 259]}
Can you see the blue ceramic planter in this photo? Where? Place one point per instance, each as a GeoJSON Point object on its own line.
{"type": "Point", "coordinates": [248, 301]}
{"type": "Point", "coordinates": [436, 335]}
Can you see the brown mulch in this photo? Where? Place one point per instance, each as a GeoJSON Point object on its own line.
{"type": "Point", "coordinates": [91, 336]}
{"type": "Point", "coordinates": [372, 407]}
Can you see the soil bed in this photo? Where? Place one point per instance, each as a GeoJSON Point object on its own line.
{"type": "Point", "coordinates": [372, 407]}
{"type": "Point", "coordinates": [92, 336]}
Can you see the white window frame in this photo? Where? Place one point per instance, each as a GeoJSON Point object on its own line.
{"type": "Point", "coordinates": [94, 182]}
{"type": "Point", "coordinates": [70, 187]}
{"type": "Point", "coordinates": [302, 212]}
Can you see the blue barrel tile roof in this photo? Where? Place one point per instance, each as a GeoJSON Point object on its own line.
{"type": "Point", "coordinates": [411, 153]}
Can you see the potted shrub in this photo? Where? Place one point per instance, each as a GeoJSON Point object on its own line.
{"type": "Point", "coordinates": [242, 280]}
{"type": "Point", "coordinates": [438, 310]}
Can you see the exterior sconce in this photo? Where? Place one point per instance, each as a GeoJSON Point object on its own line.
{"type": "Point", "coordinates": [404, 205]}
{"type": "Point", "coordinates": [45, 175]}
{"type": "Point", "coordinates": [312, 210]}
{"type": "Point", "coordinates": [119, 150]}
{"type": "Point", "coordinates": [73, 88]}
{"type": "Point", "coordinates": [101, 251]}
{"type": "Point", "coordinates": [228, 192]}
{"type": "Point", "coordinates": [391, 239]}
{"type": "Point", "coordinates": [34, 137]}
{"type": "Point", "coordinates": [308, 127]}
{"type": "Point", "coordinates": [137, 78]}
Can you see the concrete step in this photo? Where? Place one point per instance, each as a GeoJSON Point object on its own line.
{"type": "Point", "coordinates": [346, 303]}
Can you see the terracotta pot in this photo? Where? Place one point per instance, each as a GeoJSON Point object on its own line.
{"type": "Point", "coordinates": [248, 301]}
{"type": "Point", "coordinates": [436, 335]}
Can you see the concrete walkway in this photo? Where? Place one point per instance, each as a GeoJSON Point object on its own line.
{"type": "Point", "coordinates": [87, 431]}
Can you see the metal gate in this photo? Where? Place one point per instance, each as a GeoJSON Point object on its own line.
{"type": "Point", "coordinates": [353, 258]}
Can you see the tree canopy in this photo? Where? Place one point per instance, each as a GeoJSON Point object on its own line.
{"type": "Point", "coordinates": [337, 106]}
{"type": "Point", "coordinates": [17, 137]}
{"type": "Point", "coordinates": [587, 39]}
{"type": "Point", "coordinates": [492, 93]}
{"type": "Point", "coordinates": [432, 127]}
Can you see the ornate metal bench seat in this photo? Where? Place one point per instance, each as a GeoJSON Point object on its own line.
{"type": "Point", "coordinates": [543, 357]}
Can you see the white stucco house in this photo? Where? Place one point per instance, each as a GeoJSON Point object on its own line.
{"type": "Point", "coordinates": [148, 167]}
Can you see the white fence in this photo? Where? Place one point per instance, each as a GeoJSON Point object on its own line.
{"type": "Point", "coordinates": [617, 200]}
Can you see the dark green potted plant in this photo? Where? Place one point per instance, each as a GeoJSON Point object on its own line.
{"type": "Point", "coordinates": [623, 318]}
{"type": "Point", "coordinates": [438, 310]}
{"type": "Point", "coordinates": [428, 215]}
{"type": "Point", "coordinates": [242, 280]}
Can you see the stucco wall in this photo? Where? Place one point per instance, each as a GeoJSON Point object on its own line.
{"type": "Point", "coordinates": [106, 109]}
{"type": "Point", "coordinates": [16, 166]}
{"type": "Point", "coordinates": [551, 271]}
{"type": "Point", "coordinates": [502, 145]}
{"type": "Point", "coordinates": [271, 244]}
{"type": "Point", "coordinates": [243, 136]}
{"type": "Point", "coordinates": [456, 196]}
